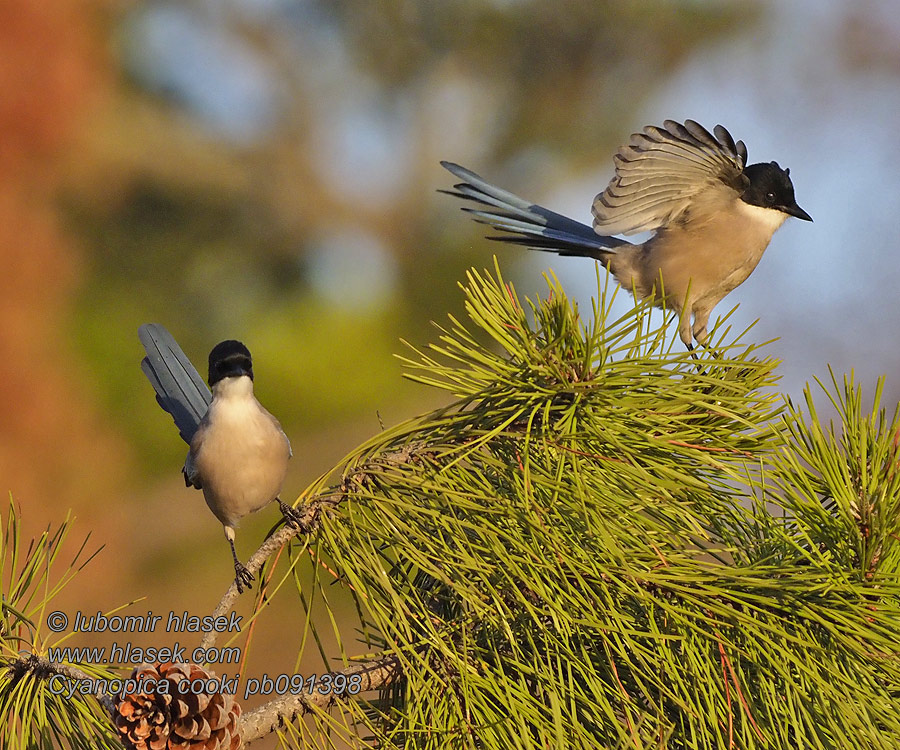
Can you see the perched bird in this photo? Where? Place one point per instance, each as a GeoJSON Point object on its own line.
{"type": "Point", "coordinates": [712, 214]}
{"type": "Point", "coordinates": [238, 452]}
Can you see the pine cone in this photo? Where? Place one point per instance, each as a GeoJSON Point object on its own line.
{"type": "Point", "coordinates": [177, 719]}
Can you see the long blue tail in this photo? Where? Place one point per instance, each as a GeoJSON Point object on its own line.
{"type": "Point", "coordinates": [179, 388]}
{"type": "Point", "coordinates": [526, 223]}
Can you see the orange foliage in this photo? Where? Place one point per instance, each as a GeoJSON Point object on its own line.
{"type": "Point", "coordinates": [55, 450]}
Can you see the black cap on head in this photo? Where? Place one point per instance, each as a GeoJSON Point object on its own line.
{"type": "Point", "coordinates": [771, 187]}
{"type": "Point", "coordinates": [229, 359]}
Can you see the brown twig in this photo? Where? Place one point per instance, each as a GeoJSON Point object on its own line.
{"type": "Point", "coordinates": [286, 709]}
{"type": "Point", "coordinates": [41, 668]}
{"type": "Point", "coordinates": [312, 513]}
{"type": "Point", "coordinates": [737, 686]}
{"type": "Point", "coordinates": [373, 675]}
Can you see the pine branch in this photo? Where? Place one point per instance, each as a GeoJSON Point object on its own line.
{"type": "Point", "coordinates": [39, 668]}
{"type": "Point", "coordinates": [276, 714]}
{"type": "Point", "coordinates": [312, 514]}
{"type": "Point", "coordinates": [599, 544]}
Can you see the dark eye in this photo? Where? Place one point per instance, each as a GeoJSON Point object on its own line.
{"type": "Point", "coordinates": [770, 197]}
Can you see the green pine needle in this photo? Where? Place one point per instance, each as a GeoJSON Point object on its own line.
{"type": "Point", "coordinates": [601, 544]}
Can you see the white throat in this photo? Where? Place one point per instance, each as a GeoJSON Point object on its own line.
{"type": "Point", "coordinates": [233, 388]}
{"type": "Point", "coordinates": [767, 219]}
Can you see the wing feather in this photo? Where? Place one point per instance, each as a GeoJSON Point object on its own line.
{"type": "Point", "coordinates": [660, 171]}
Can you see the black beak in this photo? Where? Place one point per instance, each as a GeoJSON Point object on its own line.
{"type": "Point", "coordinates": [795, 210]}
{"type": "Point", "coordinates": [236, 370]}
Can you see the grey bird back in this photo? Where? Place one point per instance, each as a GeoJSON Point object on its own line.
{"type": "Point", "coordinates": [180, 389]}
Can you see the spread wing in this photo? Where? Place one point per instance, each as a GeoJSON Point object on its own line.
{"type": "Point", "coordinates": [179, 388]}
{"type": "Point", "coordinates": [660, 171]}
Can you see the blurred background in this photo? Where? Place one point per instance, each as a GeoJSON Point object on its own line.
{"type": "Point", "coordinates": [266, 170]}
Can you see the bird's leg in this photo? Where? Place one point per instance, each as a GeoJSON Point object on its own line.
{"type": "Point", "coordinates": [292, 516]}
{"type": "Point", "coordinates": [701, 319]}
{"type": "Point", "coordinates": [690, 348]}
{"type": "Point", "coordinates": [684, 332]}
{"type": "Point", "coordinates": [684, 329]}
{"type": "Point", "coordinates": [696, 332]}
{"type": "Point", "coordinates": [242, 576]}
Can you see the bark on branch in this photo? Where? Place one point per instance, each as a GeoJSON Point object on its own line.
{"type": "Point", "coordinates": [287, 709]}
